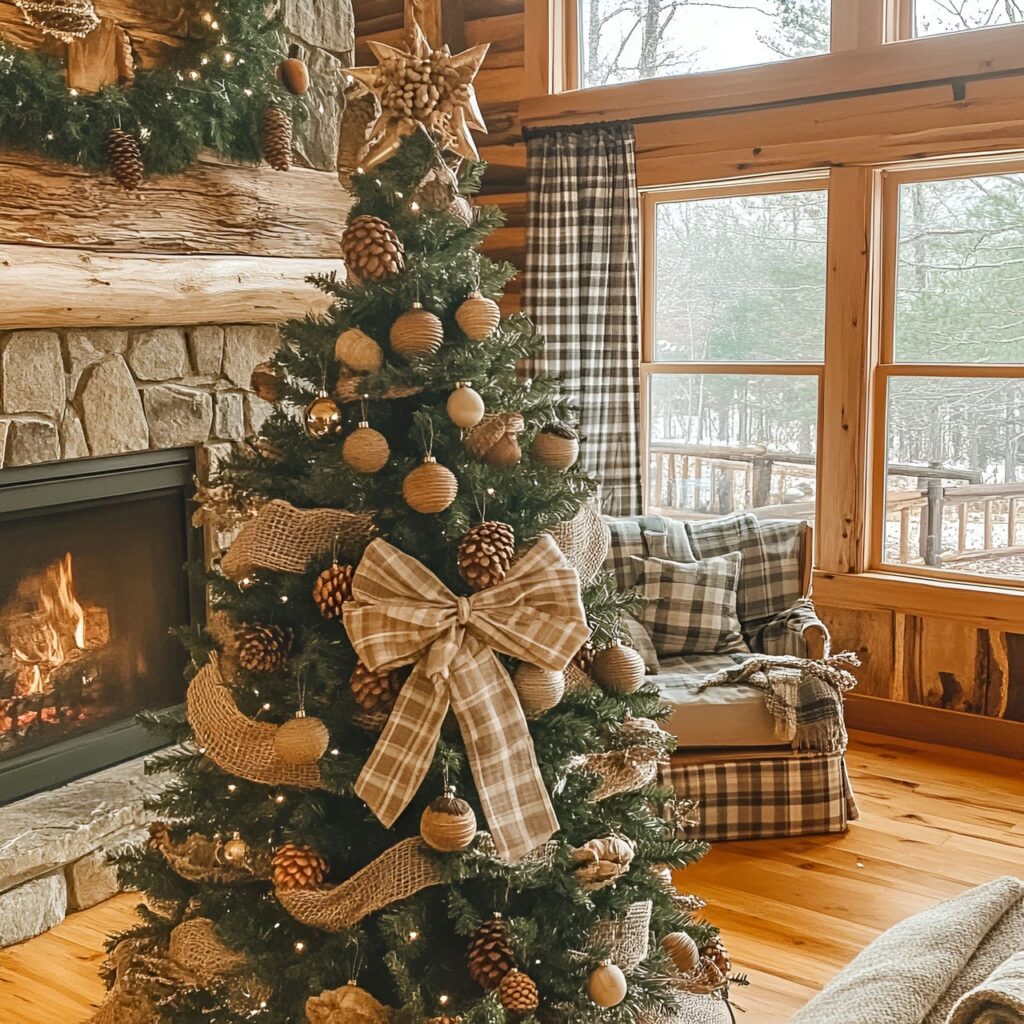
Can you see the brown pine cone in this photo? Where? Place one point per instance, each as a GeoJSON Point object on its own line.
{"type": "Point", "coordinates": [277, 138]}
{"type": "Point", "coordinates": [371, 249]}
{"type": "Point", "coordinates": [485, 554]}
{"type": "Point", "coordinates": [715, 951]}
{"type": "Point", "coordinates": [297, 867]}
{"type": "Point", "coordinates": [263, 648]}
{"type": "Point", "coordinates": [332, 589]}
{"type": "Point", "coordinates": [518, 992]}
{"type": "Point", "coordinates": [125, 158]}
{"type": "Point", "coordinates": [375, 692]}
{"type": "Point", "coordinates": [490, 954]}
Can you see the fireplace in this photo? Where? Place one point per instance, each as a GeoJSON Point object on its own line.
{"type": "Point", "coordinates": [91, 582]}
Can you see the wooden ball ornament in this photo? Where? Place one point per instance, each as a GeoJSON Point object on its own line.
{"type": "Point", "coordinates": [556, 446]}
{"type": "Point", "coordinates": [505, 452]}
{"type": "Point", "coordinates": [365, 450]}
{"type": "Point", "coordinates": [465, 406]}
{"type": "Point", "coordinates": [235, 850]}
{"type": "Point", "coordinates": [607, 985]}
{"type": "Point", "coordinates": [430, 487]}
{"type": "Point", "coordinates": [358, 351]}
{"type": "Point", "coordinates": [322, 417]}
{"type": "Point", "coordinates": [619, 669]}
{"type": "Point", "coordinates": [682, 950]}
{"type": "Point", "coordinates": [292, 72]}
{"type": "Point", "coordinates": [478, 317]}
{"type": "Point", "coordinates": [539, 689]}
{"type": "Point", "coordinates": [303, 740]}
{"type": "Point", "coordinates": [417, 332]}
{"type": "Point", "coordinates": [448, 824]}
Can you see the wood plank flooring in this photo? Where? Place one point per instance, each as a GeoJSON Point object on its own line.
{"type": "Point", "coordinates": [934, 821]}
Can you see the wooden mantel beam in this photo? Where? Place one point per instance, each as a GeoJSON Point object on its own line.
{"type": "Point", "coordinates": [442, 21]}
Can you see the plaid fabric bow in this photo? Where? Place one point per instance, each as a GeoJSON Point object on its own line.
{"type": "Point", "coordinates": [400, 614]}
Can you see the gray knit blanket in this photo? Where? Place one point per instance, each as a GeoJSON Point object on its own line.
{"type": "Point", "coordinates": [804, 697]}
{"type": "Point", "coordinates": [999, 999]}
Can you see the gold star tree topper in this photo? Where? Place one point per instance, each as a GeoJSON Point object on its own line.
{"type": "Point", "coordinates": [422, 86]}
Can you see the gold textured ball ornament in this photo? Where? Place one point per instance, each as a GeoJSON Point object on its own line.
{"type": "Point", "coordinates": [365, 450]}
{"type": "Point", "coordinates": [322, 418]}
{"type": "Point", "coordinates": [478, 317]}
{"type": "Point", "coordinates": [619, 669]}
{"type": "Point", "coordinates": [518, 992]}
{"type": "Point", "coordinates": [430, 487]}
{"type": "Point", "coordinates": [556, 446]}
{"type": "Point", "coordinates": [303, 740]}
{"type": "Point", "coordinates": [235, 850]}
{"type": "Point", "coordinates": [358, 351]}
{"type": "Point", "coordinates": [539, 689]}
{"type": "Point", "coordinates": [682, 950]}
{"type": "Point", "coordinates": [448, 824]}
{"type": "Point", "coordinates": [606, 985]}
{"type": "Point", "coordinates": [417, 332]}
{"type": "Point", "coordinates": [465, 406]}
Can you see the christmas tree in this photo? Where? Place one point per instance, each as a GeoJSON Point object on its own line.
{"type": "Point", "coordinates": [417, 776]}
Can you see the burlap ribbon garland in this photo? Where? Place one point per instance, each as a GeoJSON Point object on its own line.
{"type": "Point", "coordinates": [402, 614]}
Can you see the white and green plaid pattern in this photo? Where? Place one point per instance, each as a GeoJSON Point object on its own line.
{"type": "Point", "coordinates": [691, 607]}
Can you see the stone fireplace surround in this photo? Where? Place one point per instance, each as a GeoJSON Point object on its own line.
{"type": "Point", "coordinates": [68, 394]}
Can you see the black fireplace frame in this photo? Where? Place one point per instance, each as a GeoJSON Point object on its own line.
{"type": "Point", "coordinates": [79, 484]}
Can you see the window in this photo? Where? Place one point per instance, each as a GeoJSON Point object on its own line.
{"type": "Point", "coordinates": [627, 40]}
{"type": "Point", "coordinates": [734, 343]}
{"type": "Point", "coordinates": [933, 17]}
{"type": "Point", "coordinates": [951, 376]}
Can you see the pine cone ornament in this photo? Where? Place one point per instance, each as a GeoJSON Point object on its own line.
{"type": "Point", "coordinates": [332, 589]}
{"type": "Point", "coordinates": [715, 951]}
{"type": "Point", "coordinates": [297, 867]}
{"type": "Point", "coordinates": [375, 692]}
{"type": "Point", "coordinates": [485, 554]}
{"type": "Point", "coordinates": [125, 158]}
{"type": "Point", "coordinates": [490, 954]}
{"type": "Point", "coordinates": [518, 992]}
{"type": "Point", "coordinates": [371, 249]}
{"type": "Point", "coordinates": [277, 138]}
{"type": "Point", "coordinates": [263, 648]}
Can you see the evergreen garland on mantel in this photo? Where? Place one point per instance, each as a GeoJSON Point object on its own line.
{"type": "Point", "coordinates": [212, 92]}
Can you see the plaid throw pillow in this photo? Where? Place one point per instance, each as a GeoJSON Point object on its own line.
{"type": "Point", "coordinates": [691, 606]}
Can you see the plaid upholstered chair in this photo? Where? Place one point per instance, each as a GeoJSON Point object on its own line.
{"type": "Point", "coordinates": [731, 759]}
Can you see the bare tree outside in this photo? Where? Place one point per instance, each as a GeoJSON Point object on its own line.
{"type": "Point", "coordinates": [932, 17]}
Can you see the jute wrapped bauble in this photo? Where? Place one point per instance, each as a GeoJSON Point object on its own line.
{"type": "Point", "coordinates": [303, 740]}
{"type": "Point", "coordinates": [430, 487]}
{"type": "Point", "coordinates": [465, 406]}
{"type": "Point", "coordinates": [365, 450]}
{"type": "Point", "coordinates": [607, 985]}
{"type": "Point", "coordinates": [506, 452]}
{"type": "Point", "coordinates": [619, 668]}
{"type": "Point", "coordinates": [448, 824]}
{"type": "Point", "coordinates": [417, 332]}
{"type": "Point", "coordinates": [322, 418]}
{"type": "Point", "coordinates": [556, 446]}
{"type": "Point", "coordinates": [358, 351]}
{"type": "Point", "coordinates": [478, 317]}
{"type": "Point", "coordinates": [349, 1004]}
{"type": "Point", "coordinates": [266, 381]}
{"type": "Point", "coordinates": [683, 951]}
{"type": "Point", "coordinates": [539, 689]}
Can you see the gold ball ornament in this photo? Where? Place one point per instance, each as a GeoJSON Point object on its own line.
{"type": "Point", "coordinates": [448, 824]}
{"type": "Point", "coordinates": [349, 1004]}
{"type": "Point", "coordinates": [518, 992]}
{"type": "Point", "coordinates": [606, 985]}
{"type": "Point", "coordinates": [465, 406]}
{"type": "Point", "coordinates": [682, 950]}
{"type": "Point", "coordinates": [619, 669]}
{"type": "Point", "coordinates": [430, 487]}
{"type": "Point", "coordinates": [322, 418]}
{"type": "Point", "coordinates": [539, 689]}
{"type": "Point", "coordinates": [358, 351]}
{"type": "Point", "coordinates": [303, 740]}
{"type": "Point", "coordinates": [235, 850]}
{"type": "Point", "coordinates": [267, 383]}
{"type": "Point", "coordinates": [365, 450]}
{"type": "Point", "coordinates": [506, 452]}
{"type": "Point", "coordinates": [478, 317]}
{"type": "Point", "coordinates": [417, 332]}
{"type": "Point", "coordinates": [556, 446]}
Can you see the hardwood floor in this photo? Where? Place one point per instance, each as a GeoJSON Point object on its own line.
{"type": "Point", "coordinates": [934, 821]}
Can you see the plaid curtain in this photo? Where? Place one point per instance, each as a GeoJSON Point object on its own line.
{"type": "Point", "coordinates": [582, 291]}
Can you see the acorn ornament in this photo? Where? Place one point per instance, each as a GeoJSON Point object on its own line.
{"type": "Point", "coordinates": [478, 317]}
{"type": "Point", "coordinates": [358, 351]}
{"type": "Point", "coordinates": [235, 850]}
{"type": "Point", "coordinates": [430, 487]}
{"type": "Point", "coordinates": [682, 950]}
{"type": "Point", "coordinates": [465, 406]}
{"type": "Point", "coordinates": [556, 446]}
{"type": "Point", "coordinates": [365, 450]}
{"type": "Point", "coordinates": [303, 740]}
{"type": "Point", "coordinates": [322, 417]}
{"type": "Point", "coordinates": [606, 985]}
{"type": "Point", "coordinates": [292, 72]}
{"type": "Point", "coordinates": [416, 333]}
{"type": "Point", "coordinates": [518, 992]}
{"type": "Point", "coordinates": [619, 669]}
{"type": "Point", "coordinates": [448, 824]}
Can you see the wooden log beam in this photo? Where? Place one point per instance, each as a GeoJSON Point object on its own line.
{"type": "Point", "coordinates": [75, 288]}
{"type": "Point", "coordinates": [213, 207]}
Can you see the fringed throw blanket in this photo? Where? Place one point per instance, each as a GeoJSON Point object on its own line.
{"type": "Point", "coordinates": [804, 697]}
